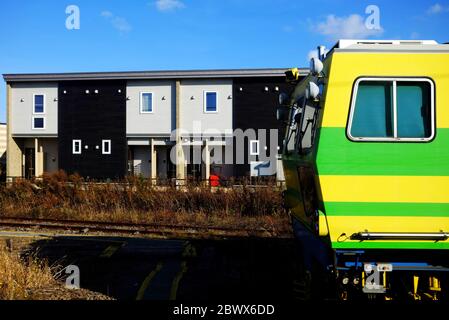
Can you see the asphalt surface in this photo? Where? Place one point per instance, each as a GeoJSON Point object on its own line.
{"type": "Point", "coordinates": [195, 271]}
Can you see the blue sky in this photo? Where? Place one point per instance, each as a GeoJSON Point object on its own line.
{"type": "Point", "coordinates": [192, 34]}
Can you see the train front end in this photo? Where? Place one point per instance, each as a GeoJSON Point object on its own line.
{"type": "Point", "coordinates": [366, 160]}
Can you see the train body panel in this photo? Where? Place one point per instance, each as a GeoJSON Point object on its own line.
{"type": "Point", "coordinates": [373, 179]}
{"type": "Point", "coordinates": [391, 186]}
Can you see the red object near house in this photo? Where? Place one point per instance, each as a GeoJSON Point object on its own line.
{"type": "Point", "coordinates": [214, 180]}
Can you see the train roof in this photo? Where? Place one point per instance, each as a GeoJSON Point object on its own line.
{"type": "Point", "coordinates": [347, 45]}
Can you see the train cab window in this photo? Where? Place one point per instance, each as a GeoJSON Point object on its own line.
{"type": "Point", "coordinates": [413, 107]}
{"type": "Point", "coordinates": [373, 114]}
{"type": "Point", "coordinates": [392, 110]}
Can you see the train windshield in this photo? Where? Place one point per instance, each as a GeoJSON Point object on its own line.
{"type": "Point", "coordinates": [302, 123]}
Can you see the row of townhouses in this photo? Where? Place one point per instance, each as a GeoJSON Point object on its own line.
{"type": "Point", "coordinates": [158, 124]}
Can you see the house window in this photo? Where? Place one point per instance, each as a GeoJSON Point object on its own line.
{"type": "Point", "coordinates": [210, 101]}
{"type": "Point", "coordinates": [146, 102]}
{"type": "Point", "coordinates": [401, 109]}
{"type": "Point", "coordinates": [76, 146]}
{"type": "Point", "coordinates": [38, 103]}
{"type": "Point", "coordinates": [106, 147]}
{"type": "Point", "coordinates": [38, 123]}
{"type": "Point", "coordinates": [254, 147]}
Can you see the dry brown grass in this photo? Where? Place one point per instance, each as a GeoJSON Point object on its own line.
{"type": "Point", "coordinates": [19, 279]}
{"type": "Point", "coordinates": [135, 200]}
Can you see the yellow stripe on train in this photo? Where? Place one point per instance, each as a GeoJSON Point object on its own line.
{"type": "Point", "coordinates": [414, 189]}
{"type": "Point", "coordinates": [347, 67]}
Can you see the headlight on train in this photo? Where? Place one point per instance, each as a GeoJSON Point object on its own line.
{"type": "Point", "coordinates": [312, 91]}
{"type": "Point", "coordinates": [323, 230]}
{"type": "Point", "coordinates": [316, 67]}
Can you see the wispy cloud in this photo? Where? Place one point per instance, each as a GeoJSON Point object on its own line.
{"type": "Point", "coordinates": [287, 29]}
{"type": "Point", "coordinates": [107, 14]}
{"type": "Point", "coordinates": [352, 26]}
{"type": "Point", "coordinates": [119, 23]}
{"type": "Point", "coordinates": [437, 9]}
{"type": "Point", "coordinates": [314, 54]}
{"type": "Point", "coordinates": [169, 5]}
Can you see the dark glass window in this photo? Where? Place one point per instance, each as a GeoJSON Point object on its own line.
{"type": "Point", "coordinates": [413, 103]}
{"type": "Point", "coordinates": [147, 102]}
{"type": "Point", "coordinates": [373, 113]}
{"type": "Point", "coordinates": [39, 103]}
{"type": "Point", "coordinates": [211, 101]}
{"type": "Point", "coordinates": [38, 123]}
{"type": "Point", "coordinates": [396, 109]}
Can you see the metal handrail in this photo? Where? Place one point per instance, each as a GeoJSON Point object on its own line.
{"type": "Point", "coordinates": [428, 236]}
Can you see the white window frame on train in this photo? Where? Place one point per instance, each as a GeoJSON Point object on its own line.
{"type": "Point", "coordinates": [394, 81]}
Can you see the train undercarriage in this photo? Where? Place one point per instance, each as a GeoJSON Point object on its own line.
{"type": "Point", "coordinates": [368, 275]}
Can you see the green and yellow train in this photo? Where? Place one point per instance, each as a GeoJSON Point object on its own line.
{"type": "Point", "coordinates": [366, 159]}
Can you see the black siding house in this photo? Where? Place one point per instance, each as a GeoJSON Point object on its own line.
{"type": "Point", "coordinates": [255, 105]}
{"type": "Point", "coordinates": [92, 111]}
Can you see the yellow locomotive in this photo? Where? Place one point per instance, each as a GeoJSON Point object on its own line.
{"type": "Point", "coordinates": [366, 159]}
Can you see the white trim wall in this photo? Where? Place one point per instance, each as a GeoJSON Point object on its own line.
{"type": "Point", "coordinates": [192, 107]}
{"type": "Point", "coordinates": [22, 108]}
{"type": "Point", "coordinates": [159, 122]}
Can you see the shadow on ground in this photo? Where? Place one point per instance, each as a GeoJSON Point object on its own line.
{"type": "Point", "coordinates": [196, 271]}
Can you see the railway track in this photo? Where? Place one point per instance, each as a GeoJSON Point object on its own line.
{"type": "Point", "coordinates": [164, 230]}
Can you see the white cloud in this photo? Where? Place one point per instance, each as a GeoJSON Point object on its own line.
{"type": "Point", "coordinates": [352, 26]}
{"type": "Point", "coordinates": [106, 14]}
{"type": "Point", "coordinates": [119, 23]}
{"type": "Point", "coordinates": [314, 54]}
{"type": "Point", "coordinates": [437, 8]}
{"type": "Point", "coordinates": [169, 5]}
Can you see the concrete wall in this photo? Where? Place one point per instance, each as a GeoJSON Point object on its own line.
{"type": "Point", "coordinates": [192, 105]}
{"type": "Point", "coordinates": [162, 120]}
{"type": "Point", "coordinates": [14, 152]}
{"type": "Point", "coordinates": [3, 139]}
{"type": "Point", "coordinates": [22, 108]}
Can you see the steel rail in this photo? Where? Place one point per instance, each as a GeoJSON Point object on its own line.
{"type": "Point", "coordinates": [133, 228]}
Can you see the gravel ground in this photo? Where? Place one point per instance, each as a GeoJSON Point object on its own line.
{"type": "Point", "coordinates": [59, 292]}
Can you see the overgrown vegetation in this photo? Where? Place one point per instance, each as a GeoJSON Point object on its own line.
{"type": "Point", "coordinates": [20, 279]}
{"type": "Point", "coordinates": [137, 200]}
